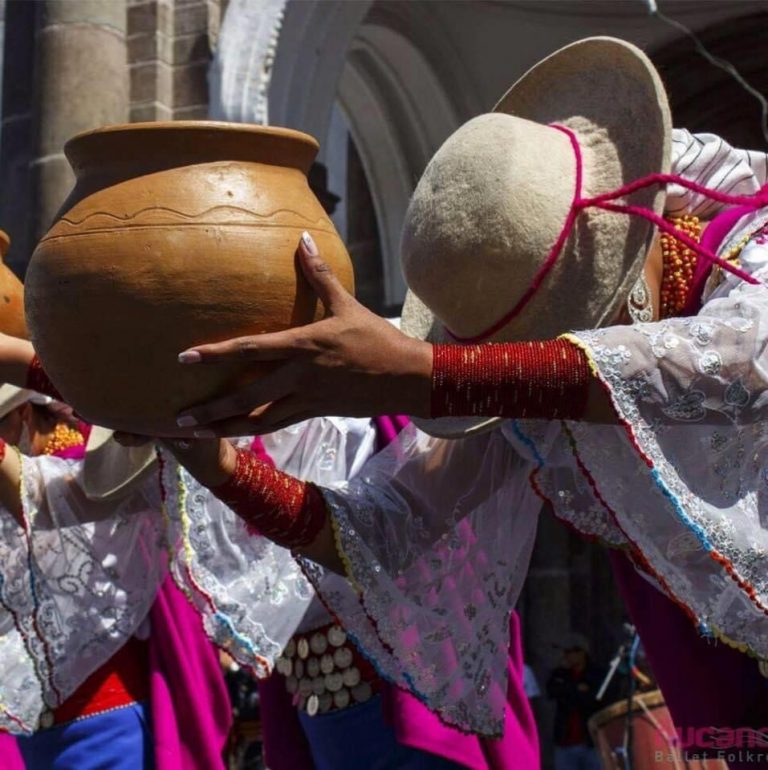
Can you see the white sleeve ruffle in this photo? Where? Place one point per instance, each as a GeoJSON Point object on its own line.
{"type": "Point", "coordinates": [78, 579]}
{"type": "Point", "coordinates": [436, 536]}
{"type": "Point", "coordinates": [684, 481]}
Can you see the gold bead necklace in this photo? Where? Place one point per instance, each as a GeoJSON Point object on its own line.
{"type": "Point", "coordinates": [63, 437]}
{"type": "Point", "coordinates": [679, 265]}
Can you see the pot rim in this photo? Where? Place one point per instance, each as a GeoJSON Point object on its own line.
{"type": "Point", "coordinates": [305, 146]}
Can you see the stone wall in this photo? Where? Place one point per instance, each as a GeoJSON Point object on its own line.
{"type": "Point", "coordinates": [75, 65]}
{"type": "Point", "coordinates": [169, 50]}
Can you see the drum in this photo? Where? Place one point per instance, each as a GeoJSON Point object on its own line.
{"type": "Point", "coordinates": [655, 740]}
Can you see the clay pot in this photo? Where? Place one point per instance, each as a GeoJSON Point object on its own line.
{"type": "Point", "coordinates": [11, 295]}
{"type": "Point", "coordinates": [175, 234]}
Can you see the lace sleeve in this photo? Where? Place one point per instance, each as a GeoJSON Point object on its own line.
{"type": "Point", "coordinates": [684, 479]}
{"type": "Point", "coordinates": [76, 580]}
{"type": "Point", "coordinates": [250, 593]}
{"type": "Point", "coordinates": [436, 536]}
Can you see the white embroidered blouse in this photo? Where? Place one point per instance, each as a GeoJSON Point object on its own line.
{"type": "Point", "coordinates": [437, 534]}
{"type": "Point", "coordinates": [79, 578]}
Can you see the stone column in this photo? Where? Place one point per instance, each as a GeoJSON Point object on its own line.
{"type": "Point", "coordinates": [81, 82]}
{"type": "Point", "coordinates": [169, 51]}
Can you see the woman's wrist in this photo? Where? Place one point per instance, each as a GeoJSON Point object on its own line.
{"type": "Point", "coordinates": [210, 461]}
{"type": "Point", "coordinates": [417, 380]}
{"type": "Point", "coordinates": [227, 460]}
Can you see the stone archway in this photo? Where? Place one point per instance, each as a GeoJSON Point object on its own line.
{"type": "Point", "coordinates": [385, 83]}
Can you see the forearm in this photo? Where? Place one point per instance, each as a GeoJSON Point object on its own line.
{"type": "Point", "coordinates": [536, 380]}
{"type": "Point", "coordinates": [16, 355]}
{"type": "Point", "coordinates": [289, 512]}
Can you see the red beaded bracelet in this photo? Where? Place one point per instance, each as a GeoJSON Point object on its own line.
{"type": "Point", "coordinates": [538, 380]}
{"type": "Point", "coordinates": [3, 447]}
{"type": "Point", "coordinates": [287, 511]}
{"type": "Point", "coordinates": [39, 381]}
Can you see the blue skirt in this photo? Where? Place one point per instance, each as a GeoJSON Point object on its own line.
{"type": "Point", "coordinates": [357, 738]}
{"type": "Point", "coordinates": [117, 740]}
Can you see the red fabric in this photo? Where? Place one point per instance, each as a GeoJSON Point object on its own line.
{"type": "Point", "coordinates": [123, 679]}
{"type": "Point", "coordinates": [540, 380]}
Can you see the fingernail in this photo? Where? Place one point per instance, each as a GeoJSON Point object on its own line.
{"type": "Point", "coordinates": [186, 421]}
{"type": "Point", "coordinates": [204, 434]}
{"type": "Point", "coordinates": [190, 357]}
{"type": "Point", "coordinates": [309, 243]}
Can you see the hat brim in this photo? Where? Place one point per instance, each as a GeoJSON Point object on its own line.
{"type": "Point", "coordinates": [558, 89]}
{"type": "Point", "coordinates": [112, 471]}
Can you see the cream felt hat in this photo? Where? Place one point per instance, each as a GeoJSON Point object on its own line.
{"type": "Point", "coordinates": [496, 197]}
{"type": "Point", "coordinates": [12, 397]}
{"type": "Point", "coordinates": [112, 471]}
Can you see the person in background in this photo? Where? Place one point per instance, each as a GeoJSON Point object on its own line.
{"type": "Point", "coordinates": [530, 684]}
{"type": "Point", "coordinates": [574, 687]}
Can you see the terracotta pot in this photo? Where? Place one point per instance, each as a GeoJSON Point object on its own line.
{"type": "Point", "coordinates": [11, 295]}
{"type": "Point", "coordinates": [175, 234]}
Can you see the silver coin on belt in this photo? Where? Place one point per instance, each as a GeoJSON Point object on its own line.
{"type": "Point", "coordinates": [337, 636]}
{"type": "Point", "coordinates": [342, 657]}
{"type": "Point", "coordinates": [326, 663]}
{"type": "Point", "coordinates": [318, 643]}
{"type": "Point", "coordinates": [334, 681]}
{"type": "Point", "coordinates": [351, 676]}
{"type": "Point", "coordinates": [341, 698]}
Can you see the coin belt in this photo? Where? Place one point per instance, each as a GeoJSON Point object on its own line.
{"type": "Point", "coordinates": [325, 672]}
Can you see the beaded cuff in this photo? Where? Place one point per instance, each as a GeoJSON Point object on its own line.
{"type": "Point", "coordinates": [38, 380]}
{"type": "Point", "coordinates": [289, 512]}
{"type": "Point", "coordinates": [538, 380]}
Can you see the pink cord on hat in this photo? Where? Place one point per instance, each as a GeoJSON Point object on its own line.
{"type": "Point", "coordinates": [605, 202]}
